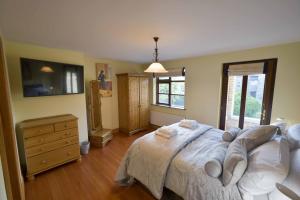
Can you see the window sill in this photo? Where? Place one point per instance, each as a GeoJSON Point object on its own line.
{"type": "Point", "coordinates": [165, 106]}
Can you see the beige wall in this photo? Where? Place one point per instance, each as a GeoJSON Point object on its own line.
{"type": "Point", "coordinates": [109, 105]}
{"type": "Point", "coordinates": [203, 82]}
{"type": "Point", "coordinates": [33, 107]}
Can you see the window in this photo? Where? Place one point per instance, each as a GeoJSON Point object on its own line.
{"type": "Point", "coordinates": [71, 82]}
{"type": "Point", "coordinates": [247, 93]}
{"type": "Point", "coordinates": [170, 91]}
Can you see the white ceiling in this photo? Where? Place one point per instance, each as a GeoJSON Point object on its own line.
{"type": "Point", "coordinates": [123, 29]}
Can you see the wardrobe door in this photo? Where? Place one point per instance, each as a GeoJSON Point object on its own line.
{"type": "Point", "coordinates": [134, 98]}
{"type": "Point", "coordinates": [144, 102]}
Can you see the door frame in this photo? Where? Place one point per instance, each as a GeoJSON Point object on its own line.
{"type": "Point", "coordinates": [14, 183]}
{"type": "Point", "coordinates": [270, 66]}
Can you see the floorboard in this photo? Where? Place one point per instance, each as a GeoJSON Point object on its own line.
{"type": "Point", "coordinates": [91, 179]}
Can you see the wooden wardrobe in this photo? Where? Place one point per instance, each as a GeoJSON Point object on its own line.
{"type": "Point", "coordinates": [133, 100]}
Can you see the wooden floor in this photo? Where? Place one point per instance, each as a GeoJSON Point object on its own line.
{"type": "Point", "coordinates": [93, 178]}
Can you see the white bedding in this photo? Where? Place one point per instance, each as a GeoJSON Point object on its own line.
{"type": "Point", "coordinates": [149, 157]}
{"type": "Point", "coordinates": [186, 175]}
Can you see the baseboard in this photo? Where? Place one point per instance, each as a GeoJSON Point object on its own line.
{"type": "Point", "coordinates": [116, 130]}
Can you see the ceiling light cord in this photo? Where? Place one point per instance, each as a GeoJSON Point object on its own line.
{"type": "Point", "coordinates": [156, 49]}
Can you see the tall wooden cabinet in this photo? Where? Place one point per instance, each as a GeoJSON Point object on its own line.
{"type": "Point", "coordinates": [133, 100]}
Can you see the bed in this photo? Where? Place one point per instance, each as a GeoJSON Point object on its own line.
{"type": "Point", "coordinates": [178, 164]}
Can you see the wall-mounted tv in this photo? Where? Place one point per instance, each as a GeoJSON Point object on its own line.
{"type": "Point", "coordinates": [45, 78]}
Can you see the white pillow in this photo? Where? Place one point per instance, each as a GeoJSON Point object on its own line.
{"type": "Point", "coordinates": [293, 179]}
{"type": "Point", "coordinates": [230, 135]}
{"type": "Point", "coordinates": [268, 164]}
{"type": "Point", "coordinates": [293, 135]}
{"type": "Point", "coordinates": [281, 125]}
{"type": "Point", "coordinates": [235, 162]}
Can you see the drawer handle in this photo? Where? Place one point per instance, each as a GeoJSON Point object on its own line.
{"type": "Point", "coordinates": [44, 162]}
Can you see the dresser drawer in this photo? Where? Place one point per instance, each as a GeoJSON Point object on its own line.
{"type": "Point", "coordinates": [65, 125]}
{"type": "Point", "coordinates": [52, 158]}
{"type": "Point", "coordinates": [35, 141]}
{"type": "Point", "coordinates": [33, 151]}
{"type": "Point", "coordinates": [40, 130]}
{"type": "Point", "coordinates": [43, 139]}
{"type": "Point", "coordinates": [67, 133]}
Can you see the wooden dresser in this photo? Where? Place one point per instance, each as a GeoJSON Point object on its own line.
{"type": "Point", "coordinates": [47, 142]}
{"type": "Point", "coordinates": [133, 101]}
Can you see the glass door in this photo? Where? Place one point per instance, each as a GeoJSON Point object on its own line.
{"type": "Point", "coordinates": [247, 93]}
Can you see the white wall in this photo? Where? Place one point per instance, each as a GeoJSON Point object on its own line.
{"type": "Point", "coordinates": [204, 74]}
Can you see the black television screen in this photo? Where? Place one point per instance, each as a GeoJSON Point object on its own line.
{"type": "Point", "coordinates": [45, 78]}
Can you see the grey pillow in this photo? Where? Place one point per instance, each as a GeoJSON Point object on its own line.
{"type": "Point", "coordinates": [257, 136]}
{"type": "Point", "coordinates": [231, 134]}
{"type": "Point", "coordinates": [235, 162]}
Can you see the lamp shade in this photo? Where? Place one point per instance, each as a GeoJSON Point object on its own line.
{"type": "Point", "coordinates": [156, 68]}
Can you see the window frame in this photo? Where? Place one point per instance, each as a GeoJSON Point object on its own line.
{"type": "Point", "coordinates": [168, 81]}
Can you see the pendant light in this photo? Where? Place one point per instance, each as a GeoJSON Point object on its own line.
{"type": "Point", "coordinates": [156, 67]}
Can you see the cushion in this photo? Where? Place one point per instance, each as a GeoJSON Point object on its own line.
{"type": "Point", "coordinates": [213, 168]}
{"type": "Point", "coordinates": [257, 135]}
{"type": "Point", "coordinates": [293, 135]}
{"type": "Point", "coordinates": [236, 156]}
{"type": "Point", "coordinates": [292, 181]}
{"type": "Point", "coordinates": [268, 164]}
{"type": "Point", "coordinates": [235, 162]}
{"type": "Point", "coordinates": [230, 135]}
{"type": "Point", "coordinates": [281, 125]}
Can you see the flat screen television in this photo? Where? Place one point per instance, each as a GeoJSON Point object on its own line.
{"type": "Point", "coordinates": [45, 78]}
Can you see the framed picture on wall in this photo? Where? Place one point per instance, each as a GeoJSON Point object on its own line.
{"type": "Point", "coordinates": [104, 77]}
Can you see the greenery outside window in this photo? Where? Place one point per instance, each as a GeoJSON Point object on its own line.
{"type": "Point", "coordinates": [170, 91]}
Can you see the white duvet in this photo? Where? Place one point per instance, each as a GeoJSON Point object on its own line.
{"type": "Point", "coordinates": [178, 164]}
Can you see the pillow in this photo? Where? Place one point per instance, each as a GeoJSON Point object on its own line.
{"type": "Point", "coordinates": [293, 135]}
{"type": "Point", "coordinates": [281, 125]}
{"type": "Point", "coordinates": [292, 181]}
{"type": "Point", "coordinates": [235, 162]}
{"type": "Point", "coordinates": [230, 135]}
{"type": "Point", "coordinates": [213, 168]}
{"type": "Point", "coordinates": [257, 135]}
{"type": "Point", "coordinates": [214, 160]}
{"type": "Point", "coordinates": [268, 164]}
